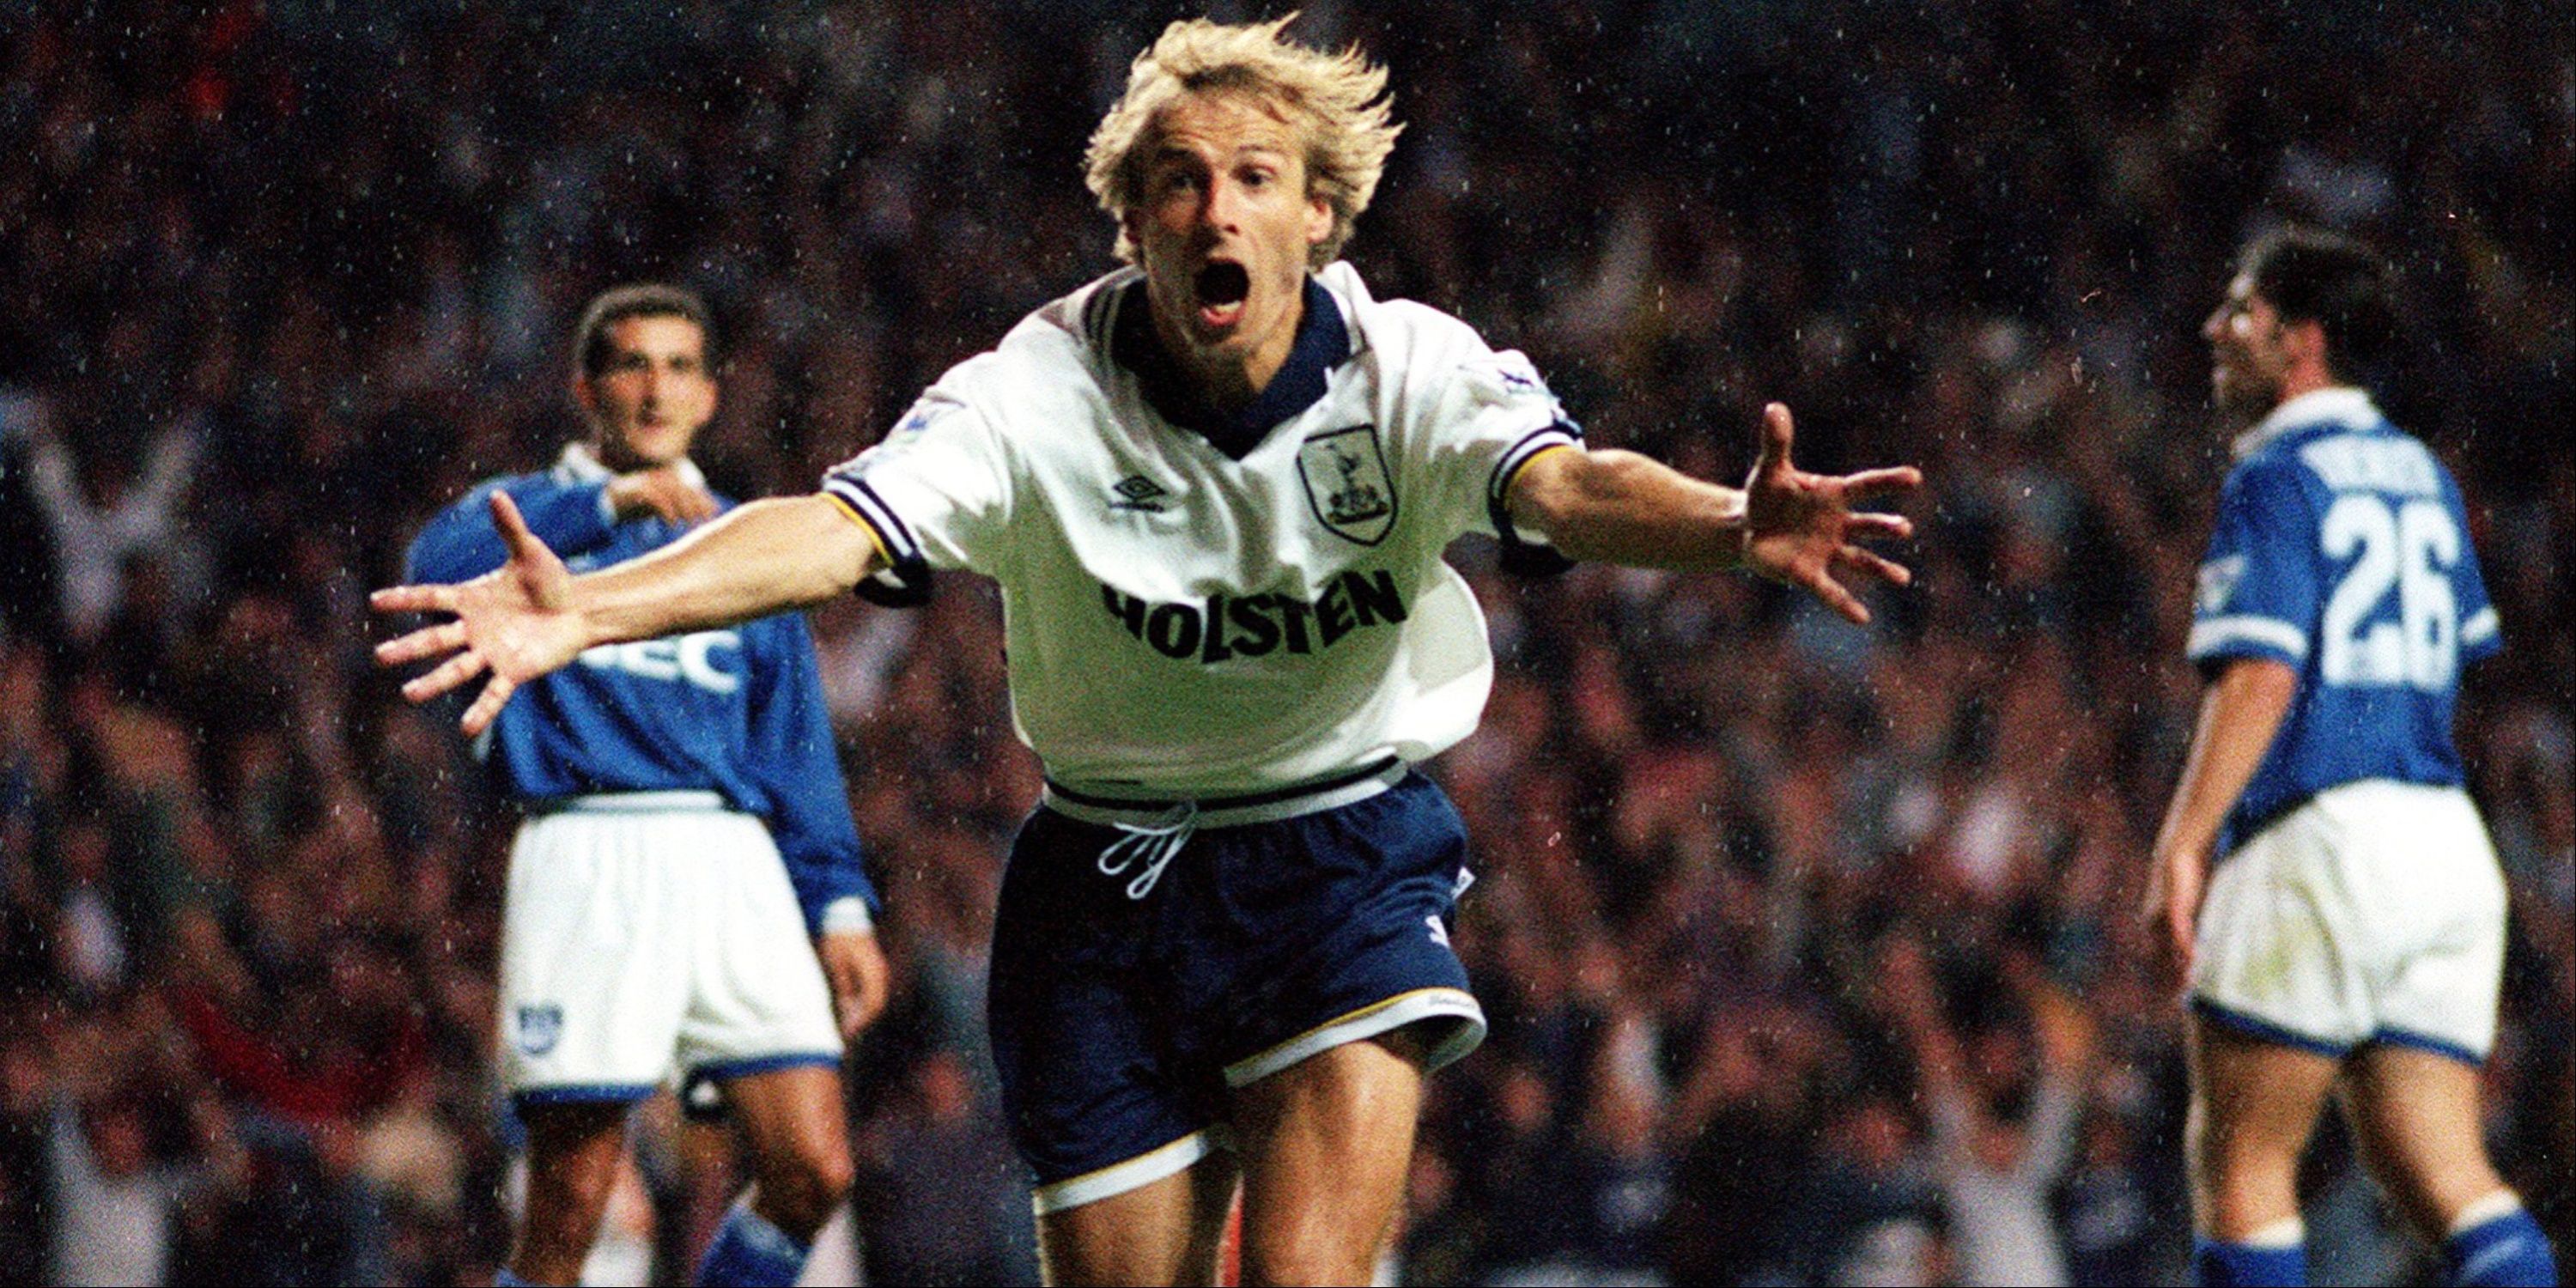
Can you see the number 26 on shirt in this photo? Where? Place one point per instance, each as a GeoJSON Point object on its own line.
{"type": "Point", "coordinates": [2411, 548]}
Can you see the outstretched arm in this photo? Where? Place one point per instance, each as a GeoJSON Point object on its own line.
{"type": "Point", "coordinates": [532, 615]}
{"type": "Point", "coordinates": [1786, 524]}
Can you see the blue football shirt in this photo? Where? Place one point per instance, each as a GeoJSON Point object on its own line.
{"type": "Point", "coordinates": [737, 711]}
{"type": "Point", "coordinates": [2342, 550]}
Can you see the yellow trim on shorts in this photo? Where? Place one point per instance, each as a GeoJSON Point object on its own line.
{"type": "Point", "coordinates": [876, 538]}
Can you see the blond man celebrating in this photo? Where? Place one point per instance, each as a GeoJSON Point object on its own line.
{"type": "Point", "coordinates": [1215, 487]}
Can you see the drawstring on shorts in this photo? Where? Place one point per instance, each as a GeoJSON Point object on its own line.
{"type": "Point", "coordinates": [1154, 845]}
{"type": "Point", "coordinates": [1152, 833]}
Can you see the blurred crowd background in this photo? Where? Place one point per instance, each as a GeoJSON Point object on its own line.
{"type": "Point", "coordinates": [1809, 948]}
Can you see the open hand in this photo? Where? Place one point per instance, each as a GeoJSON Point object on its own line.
{"type": "Point", "coordinates": [517, 621]}
{"type": "Point", "coordinates": [1800, 528]}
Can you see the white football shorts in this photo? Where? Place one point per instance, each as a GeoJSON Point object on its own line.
{"type": "Point", "coordinates": [2375, 912]}
{"type": "Point", "coordinates": [647, 935]}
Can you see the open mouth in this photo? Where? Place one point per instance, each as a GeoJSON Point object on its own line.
{"type": "Point", "coordinates": [1221, 288]}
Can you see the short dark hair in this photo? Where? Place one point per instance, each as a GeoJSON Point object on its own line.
{"type": "Point", "coordinates": [639, 300]}
{"type": "Point", "coordinates": [2310, 275]}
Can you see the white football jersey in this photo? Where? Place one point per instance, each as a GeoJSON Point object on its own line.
{"type": "Point", "coordinates": [1184, 622]}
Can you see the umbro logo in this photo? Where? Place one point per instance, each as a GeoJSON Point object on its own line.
{"type": "Point", "coordinates": [1137, 492]}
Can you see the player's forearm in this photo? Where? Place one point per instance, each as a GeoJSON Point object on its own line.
{"type": "Point", "coordinates": [2238, 718]}
{"type": "Point", "coordinates": [762, 558]}
{"type": "Point", "coordinates": [1623, 508]}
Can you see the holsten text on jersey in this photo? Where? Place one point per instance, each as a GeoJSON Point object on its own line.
{"type": "Point", "coordinates": [1223, 627]}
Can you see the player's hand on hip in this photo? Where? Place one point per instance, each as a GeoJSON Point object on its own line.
{"type": "Point", "coordinates": [1800, 528]}
{"type": "Point", "coordinates": [2176, 880]}
{"type": "Point", "coordinates": [856, 969]}
{"type": "Point", "coordinates": [517, 621]}
{"type": "Point", "coordinates": [662, 492]}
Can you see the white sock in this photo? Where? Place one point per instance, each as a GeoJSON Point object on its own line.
{"type": "Point", "coordinates": [2481, 1211]}
{"type": "Point", "coordinates": [2288, 1232]}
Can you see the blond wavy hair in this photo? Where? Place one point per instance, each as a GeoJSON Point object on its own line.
{"type": "Point", "coordinates": [1337, 102]}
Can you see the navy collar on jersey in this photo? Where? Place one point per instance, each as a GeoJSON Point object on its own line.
{"type": "Point", "coordinates": [1323, 342]}
{"type": "Point", "coordinates": [2339, 404]}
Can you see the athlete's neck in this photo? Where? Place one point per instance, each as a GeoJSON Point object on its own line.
{"type": "Point", "coordinates": [1224, 380]}
{"type": "Point", "coordinates": [2304, 377]}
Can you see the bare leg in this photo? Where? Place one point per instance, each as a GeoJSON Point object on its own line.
{"type": "Point", "coordinates": [2253, 1106]}
{"type": "Point", "coordinates": [1326, 1144]}
{"type": "Point", "coordinates": [711, 1173]}
{"type": "Point", "coordinates": [1167, 1232]}
{"type": "Point", "coordinates": [2416, 1116]}
{"type": "Point", "coordinates": [573, 1156]}
{"type": "Point", "coordinates": [799, 1145]}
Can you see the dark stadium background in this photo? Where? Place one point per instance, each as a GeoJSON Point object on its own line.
{"type": "Point", "coordinates": [278, 279]}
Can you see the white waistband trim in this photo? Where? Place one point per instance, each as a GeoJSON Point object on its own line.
{"type": "Point", "coordinates": [1160, 815]}
{"type": "Point", "coordinates": [679, 801]}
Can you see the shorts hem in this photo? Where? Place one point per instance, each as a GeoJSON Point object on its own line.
{"type": "Point", "coordinates": [2428, 1044]}
{"type": "Point", "coordinates": [1368, 1021]}
{"type": "Point", "coordinates": [728, 1070]}
{"type": "Point", "coordinates": [1144, 1169]}
{"type": "Point", "coordinates": [2262, 1030]}
{"type": "Point", "coordinates": [585, 1093]}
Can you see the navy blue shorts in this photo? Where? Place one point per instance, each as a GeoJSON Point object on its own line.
{"type": "Point", "coordinates": [1119, 1023]}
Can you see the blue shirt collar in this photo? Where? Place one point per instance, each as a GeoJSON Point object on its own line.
{"type": "Point", "coordinates": [1323, 342]}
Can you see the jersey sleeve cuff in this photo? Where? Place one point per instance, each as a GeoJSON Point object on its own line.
{"type": "Point", "coordinates": [875, 537]}
{"type": "Point", "coordinates": [1533, 445]}
{"type": "Point", "coordinates": [2481, 636]}
{"type": "Point", "coordinates": [1526, 555]}
{"type": "Point", "coordinates": [847, 915]}
{"type": "Point", "coordinates": [2213, 638]}
{"type": "Point", "coordinates": [905, 580]}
